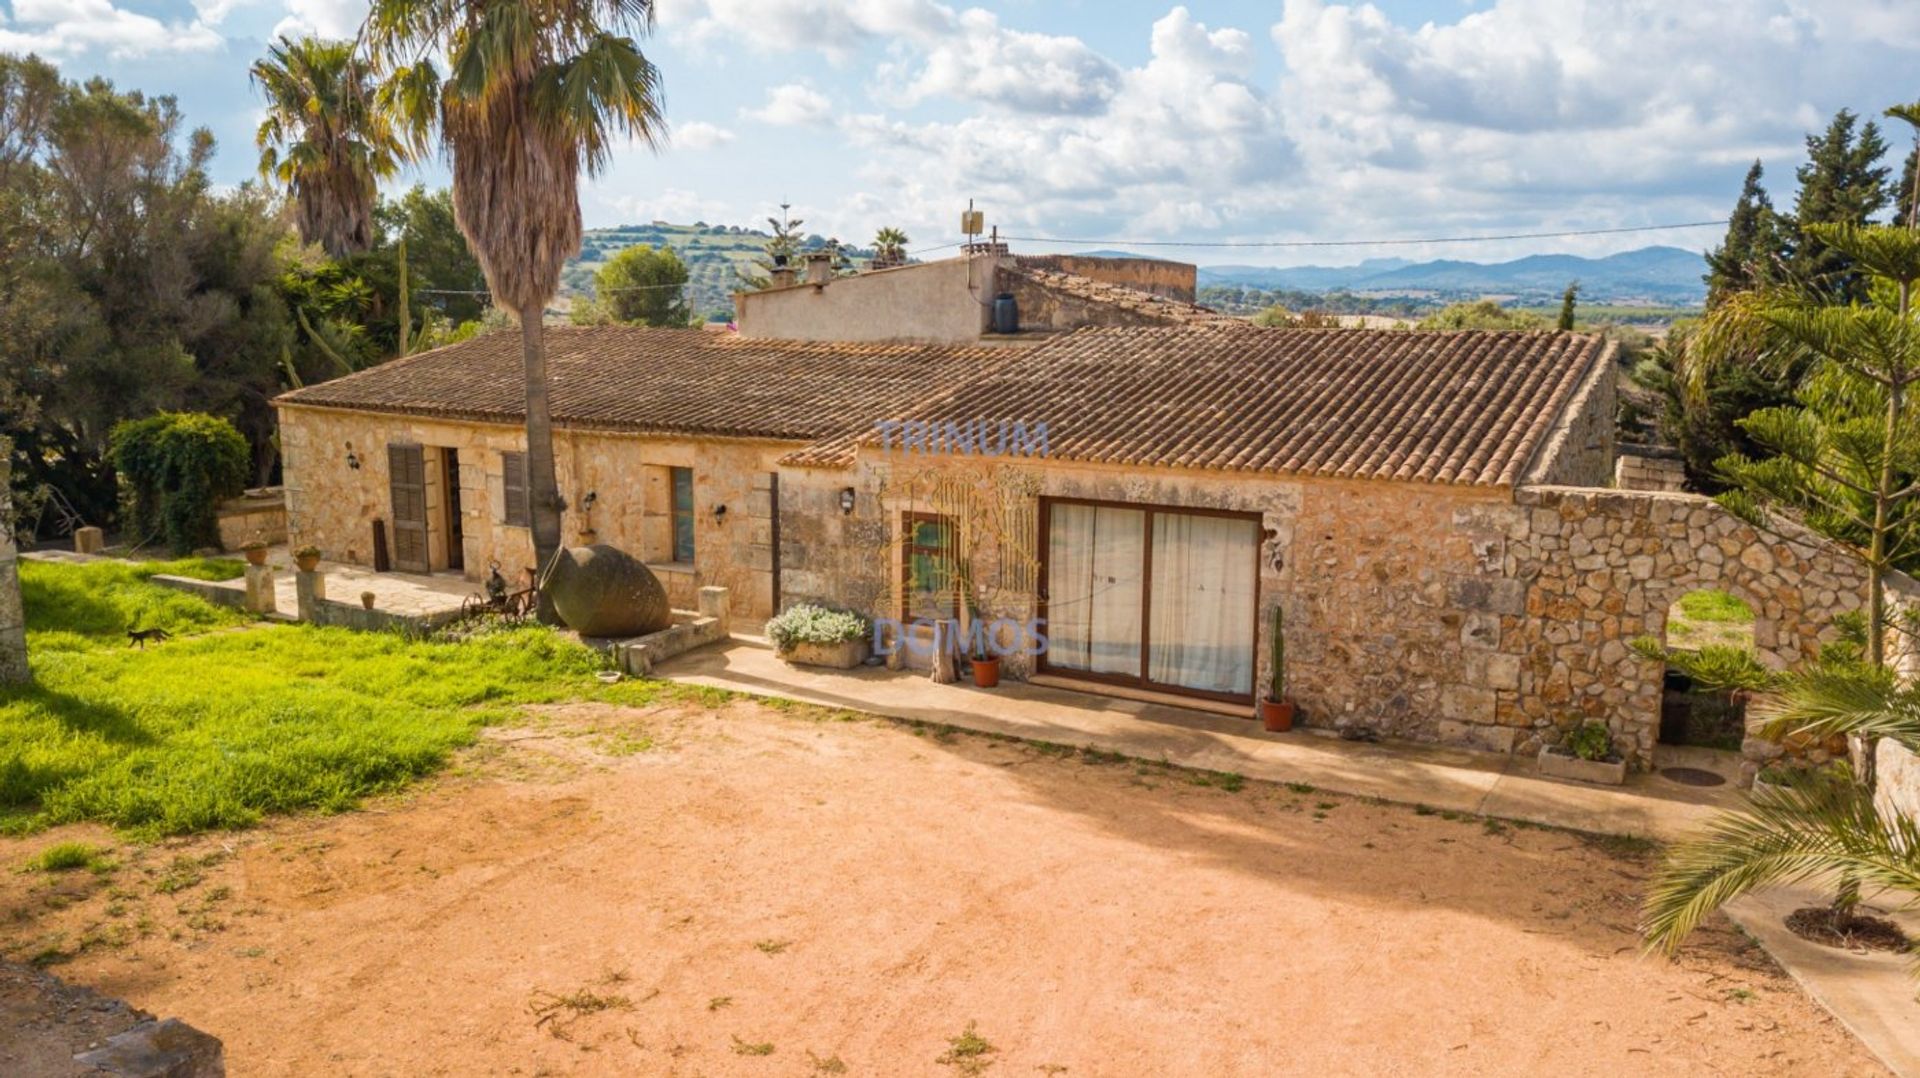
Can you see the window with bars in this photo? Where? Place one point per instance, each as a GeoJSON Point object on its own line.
{"type": "Point", "coordinates": [682, 515]}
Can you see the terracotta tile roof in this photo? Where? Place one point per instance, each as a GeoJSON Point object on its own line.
{"type": "Point", "coordinates": [1146, 305]}
{"type": "Point", "coordinates": [1469, 408]}
{"type": "Point", "coordinates": [669, 381]}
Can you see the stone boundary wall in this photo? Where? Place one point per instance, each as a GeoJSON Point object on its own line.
{"type": "Point", "coordinates": [13, 615]}
{"type": "Point", "coordinates": [1580, 452]}
{"type": "Point", "coordinates": [258, 515]}
{"type": "Point", "coordinates": [1601, 567]}
{"type": "Point", "coordinates": [218, 592]}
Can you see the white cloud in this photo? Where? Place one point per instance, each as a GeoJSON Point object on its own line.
{"type": "Point", "coordinates": [793, 105]}
{"type": "Point", "coordinates": [700, 135]}
{"type": "Point", "coordinates": [322, 18]}
{"type": "Point", "coordinates": [965, 55]}
{"type": "Point", "coordinates": [73, 27]}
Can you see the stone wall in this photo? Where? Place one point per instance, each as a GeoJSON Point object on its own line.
{"type": "Point", "coordinates": [258, 514]}
{"type": "Point", "coordinates": [1580, 454]}
{"type": "Point", "coordinates": [944, 302]}
{"type": "Point", "coordinates": [1645, 471]}
{"type": "Point", "coordinates": [1174, 280]}
{"type": "Point", "coordinates": [333, 506]}
{"type": "Point", "coordinates": [1600, 568]}
{"type": "Point", "coordinates": [1469, 616]}
{"type": "Point", "coordinates": [13, 617]}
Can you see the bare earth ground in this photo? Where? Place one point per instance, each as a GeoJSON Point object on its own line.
{"type": "Point", "coordinates": [745, 891]}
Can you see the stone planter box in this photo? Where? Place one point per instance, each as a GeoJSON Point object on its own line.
{"type": "Point", "coordinates": [844, 656]}
{"type": "Point", "coordinates": [1558, 763]}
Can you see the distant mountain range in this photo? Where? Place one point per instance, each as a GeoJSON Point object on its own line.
{"type": "Point", "coordinates": [1665, 275]}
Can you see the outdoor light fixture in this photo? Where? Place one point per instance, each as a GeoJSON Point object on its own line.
{"type": "Point", "coordinates": [353, 460]}
{"type": "Point", "coordinates": [719, 512]}
{"type": "Point", "coordinates": [587, 502]}
{"type": "Point", "coordinates": [846, 500]}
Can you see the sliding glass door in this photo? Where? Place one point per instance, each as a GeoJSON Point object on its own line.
{"type": "Point", "coordinates": [1155, 598]}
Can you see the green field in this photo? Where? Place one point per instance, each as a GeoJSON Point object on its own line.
{"type": "Point", "coordinates": [232, 719]}
{"type": "Point", "coordinates": [715, 256]}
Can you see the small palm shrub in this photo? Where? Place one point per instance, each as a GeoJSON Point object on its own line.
{"type": "Point", "coordinates": [1590, 741]}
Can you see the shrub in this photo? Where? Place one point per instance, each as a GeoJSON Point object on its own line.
{"type": "Point", "coordinates": [175, 468]}
{"type": "Point", "coordinates": [1590, 741]}
{"type": "Point", "coordinates": [805, 623]}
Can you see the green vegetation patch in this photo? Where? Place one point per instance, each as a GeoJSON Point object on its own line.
{"type": "Point", "coordinates": [1714, 605]}
{"type": "Point", "coordinates": [215, 729]}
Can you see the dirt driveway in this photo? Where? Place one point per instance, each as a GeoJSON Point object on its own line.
{"type": "Point", "coordinates": [754, 892]}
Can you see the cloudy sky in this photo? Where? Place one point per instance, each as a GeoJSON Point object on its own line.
{"type": "Point", "coordinates": [1117, 119]}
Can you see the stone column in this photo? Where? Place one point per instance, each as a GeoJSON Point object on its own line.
{"type": "Point", "coordinates": [13, 617]}
{"type": "Point", "coordinates": [260, 596]}
{"type": "Point", "coordinates": [715, 604]}
{"type": "Point", "coordinates": [309, 588]}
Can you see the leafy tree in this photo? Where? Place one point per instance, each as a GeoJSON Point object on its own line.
{"type": "Point", "coordinates": [1567, 301]}
{"type": "Point", "coordinates": [641, 285]}
{"type": "Point", "coordinates": [1480, 314]}
{"type": "Point", "coordinates": [325, 139]}
{"type": "Point", "coordinates": [444, 274]}
{"type": "Point", "coordinates": [1754, 248]}
{"type": "Point", "coordinates": [533, 94]}
{"type": "Point", "coordinates": [1841, 184]}
{"type": "Point", "coordinates": [177, 467]}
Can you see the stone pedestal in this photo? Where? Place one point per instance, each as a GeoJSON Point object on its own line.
{"type": "Point", "coordinates": [309, 589]}
{"type": "Point", "coordinates": [716, 604]}
{"type": "Point", "coordinates": [260, 597]}
{"type": "Point", "coordinates": [88, 540]}
{"type": "Point", "coordinates": [945, 670]}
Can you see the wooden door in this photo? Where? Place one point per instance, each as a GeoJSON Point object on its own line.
{"type": "Point", "coordinates": [407, 475]}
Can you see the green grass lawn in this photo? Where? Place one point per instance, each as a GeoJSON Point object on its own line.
{"type": "Point", "coordinates": [232, 719]}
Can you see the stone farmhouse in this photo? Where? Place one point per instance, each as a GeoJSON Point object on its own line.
{"type": "Point", "coordinates": [1136, 480]}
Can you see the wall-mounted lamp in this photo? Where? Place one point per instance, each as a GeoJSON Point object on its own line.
{"type": "Point", "coordinates": [719, 512]}
{"type": "Point", "coordinates": [846, 500]}
{"type": "Point", "coordinates": [353, 459]}
{"type": "Point", "coordinates": [587, 502]}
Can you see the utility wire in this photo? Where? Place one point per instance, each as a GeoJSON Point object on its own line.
{"type": "Point", "coordinates": [1375, 243]}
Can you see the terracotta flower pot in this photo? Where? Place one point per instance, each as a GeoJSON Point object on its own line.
{"type": "Point", "coordinates": [367, 599]}
{"type": "Point", "coordinates": [307, 562]}
{"type": "Point", "coordinates": [986, 672]}
{"type": "Point", "coordinates": [256, 555]}
{"type": "Point", "coordinates": [1277, 715]}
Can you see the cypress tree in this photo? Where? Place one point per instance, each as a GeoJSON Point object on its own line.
{"type": "Point", "coordinates": [1842, 183]}
{"type": "Point", "coordinates": [1753, 248]}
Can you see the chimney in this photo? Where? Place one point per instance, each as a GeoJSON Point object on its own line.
{"type": "Point", "coordinates": [819, 268]}
{"type": "Point", "coordinates": [782, 275]}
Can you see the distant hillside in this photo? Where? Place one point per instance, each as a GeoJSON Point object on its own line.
{"type": "Point", "coordinates": [715, 256]}
{"type": "Point", "coordinates": [1650, 275]}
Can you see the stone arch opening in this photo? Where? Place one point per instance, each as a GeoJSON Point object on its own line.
{"type": "Point", "coordinates": [1722, 627]}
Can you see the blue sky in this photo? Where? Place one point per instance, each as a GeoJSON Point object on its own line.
{"type": "Point", "coordinates": [1237, 121]}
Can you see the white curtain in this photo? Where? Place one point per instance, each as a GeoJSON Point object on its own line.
{"type": "Point", "coordinates": [1095, 557]}
{"type": "Point", "coordinates": [1203, 602]}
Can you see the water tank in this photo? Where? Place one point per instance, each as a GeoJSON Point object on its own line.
{"type": "Point", "coordinates": [1006, 314]}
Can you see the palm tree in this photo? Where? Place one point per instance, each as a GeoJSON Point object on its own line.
{"type": "Point", "coordinates": [325, 140]}
{"type": "Point", "coordinates": [889, 247]}
{"type": "Point", "coordinates": [533, 94]}
{"type": "Point", "coordinates": [1824, 828]}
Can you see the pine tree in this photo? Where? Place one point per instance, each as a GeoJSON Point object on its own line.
{"type": "Point", "coordinates": [1567, 301]}
{"type": "Point", "coordinates": [1753, 250]}
{"type": "Point", "coordinates": [1842, 183]}
{"type": "Point", "coordinates": [1906, 197]}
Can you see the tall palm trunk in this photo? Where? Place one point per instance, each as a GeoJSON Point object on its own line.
{"type": "Point", "coordinates": [543, 485]}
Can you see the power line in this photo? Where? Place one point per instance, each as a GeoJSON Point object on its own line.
{"type": "Point", "coordinates": [1373, 243]}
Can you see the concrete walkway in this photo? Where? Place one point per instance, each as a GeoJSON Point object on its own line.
{"type": "Point", "coordinates": [1871, 994]}
{"type": "Point", "coordinates": [1482, 783]}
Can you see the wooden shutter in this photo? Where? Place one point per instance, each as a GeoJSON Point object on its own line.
{"type": "Point", "coordinates": [407, 479]}
{"type": "Point", "coordinates": [513, 475]}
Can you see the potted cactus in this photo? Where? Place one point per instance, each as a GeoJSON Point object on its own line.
{"type": "Point", "coordinates": [1276, 708]}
